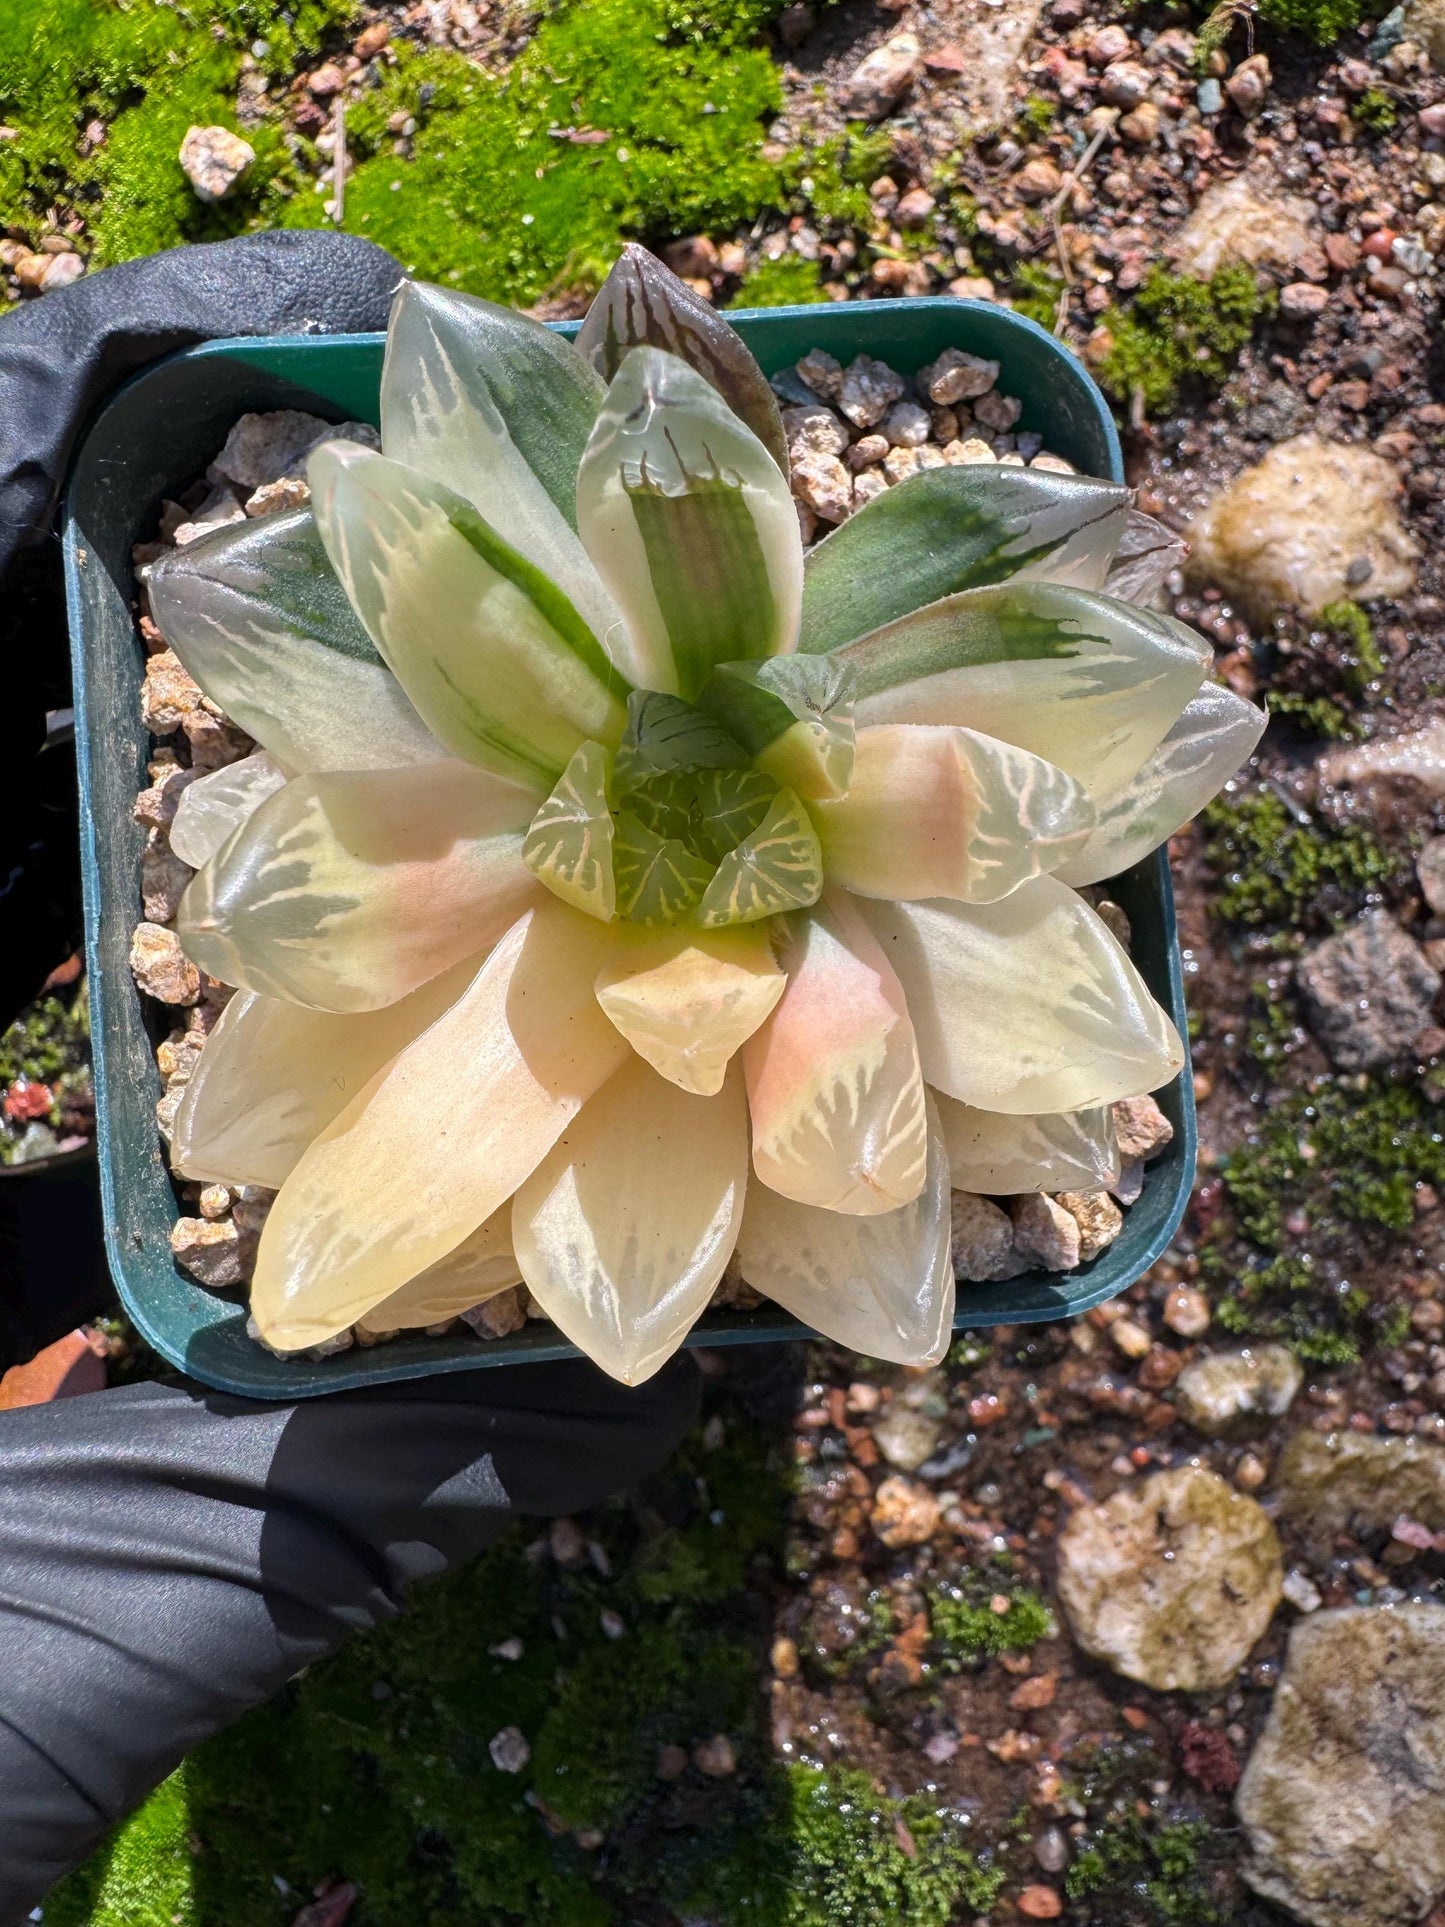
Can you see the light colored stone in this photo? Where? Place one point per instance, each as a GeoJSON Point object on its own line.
{"type": "Point", "coordinates": [1417, 756]}
{"type": "Point", "coordinates": [957, 376]}
{"type": "Point", "coordinates": [1141, 1128]}
{"type": "Point", "coordinates": [1302, 1592]}
{"type": "Point", "coordinates": [881, 79]}
{"type": "Point", "coordinates": [1124, 84]}
{"type": "Point", "coordinates": [277, 498]}
{"type": "Point", "coordinates": [904, 1513]}
{"type": "Point", "coordinates": [213, 160]}
{"type": "Point", "coordinates": [1425, 25]}
{"type": "Point", "coordinates": [983, 1240]}
{"type": "Point", "coordinates": [215, 1254]}
{"type": "Point", "coordinates": [497, 1317]}
{"type": "Point", "coordinates": [60, 271]}
{"type": "Point", "coordinates": [1172, 1580]}
{"type": "Point", "coordinates": [214, 1203]}
{"type": "Point", "coordinates": [813, 431]}
{"type": "Point", "coordinates": [964, 453]}
{"type": "Point", "coordinates": [1335, 1482]}
{"type": "Point", "coordinates": [820, 372]}
{"type": "Point", "coordinates": [867, 450]}
{"type": "Point", "coordinates": [1343, 1798]}
{"type": "Point", "coordinates": [1098, 1217]}
{"type": "Point", "coordinates": [1430, 868]}
{"type": "Point", "coordinates": [870, 483]}
{"type": "Point", "coordinates": [1368, 992]}
{"type": "Point", "coordinates": [1044, 1233]}
{"type": "Point", "coordinates": [176, 1056]}
{"type": "Point", "coordinates": [168, 695]}
{"type": "Point", "coordinates": [163, 877]}
{"type": "Point", "coordinates": [1248, 86]}
{"type": "Point", "coordinates": [906, 425]}
{"type": "Point", "coordinates": [1301, 526]}
{"type": "Point", "coordinates": [1238, 219]}
{"type": "Point", "coordinates": [1219, 1392]}
{"type": "Point", "coordinates": [509, 1750]}
{"type": "Point", "coordinates": [267, 447]}
{"type": "Point", "coordinates": [1303, 300]}
{"type": "Point", "coordinates": [991, 43]}
{"type": "Point", "coordinates": [1186, 1312]}
{"type": "Point", "coordinates": [905, 1437]}
{"type": "Point", "coordinates": [822, 484]}
{"type": "Point", "coordinates": [867, 391]}
{"type": "Point", "coordinates": [997, 413]}
{"type": "Point", "coordinates": [161, 968]}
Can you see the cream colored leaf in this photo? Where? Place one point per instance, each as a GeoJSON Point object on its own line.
{"type": "Point", "coordinates": [1026, 1005]}
{"type": "Point", "coordinates": [934, 811]}
{"type": "Point", "coordinates": [834, 1088]}
{"type": "Point", "coordinates": [441, 1137]}
{"type": "Point", "coordinates": [479, 1268]}
{"type": "Point", "coordinates": [1001, 1156]}
{"type": "Point", "coordinates": [214, 807]}
{"type": "Point", "coordinates": [625, 1227]}
{"type": "Point", "coordinates": [687, 1001]}
{"type": "Point", "coordinates": [344, 892]}
{"type": "Point", "coordinates": [568, 845]}
{"type": "Point", "coordinates": [273, 1075]}
{"type": "Point", "coordinates": [881, 1285]}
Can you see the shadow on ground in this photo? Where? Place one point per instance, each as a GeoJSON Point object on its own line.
{"type": "Point", "coordinates": [647, 1628]}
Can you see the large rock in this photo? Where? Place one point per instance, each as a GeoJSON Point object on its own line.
{"type": "Point", "coordinates": [991, 43]}
{"type": "Point", "coordinates": [1368, 991]}
{"type": "Point", "coordinates": [1172, 1580]}
{"type": "Point", "coordinates": [1237, 221]}
{"type": "Point", "coordinates": [1343, 1799]}
{"type": "Point", "coordinates": [1333, 1482]}
{"type": "Point", "coordinates": [1418, 756]}
{"type": "Point", "coordinates": [881, 79]}
{"type": "Point", "coordinates": [213, 160]}
{"type": "Point", "coordinates": [1223, 1392]}
{"type": "Point", "coordinates": [1425, 25]}
{"type": "Point", "coordinates": [1312, 523]}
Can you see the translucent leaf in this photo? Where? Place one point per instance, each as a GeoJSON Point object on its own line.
{"type": "Point", "coordinates": [257, 616]}
{"type": "Point", "coordinates": [1026, 1005]}
{"type": "Point", "coordinates": [442, 1137]}
{"type": "Point", "coordinates": [730, 804]}
{"type": "Point", "coordinates": [940, 812]}
{"type": "Point", "coordinates": [643, 303]}
{"type": "Point", "coordinates": [214, 807]}
{"type": "Point", "coordinates": [626, 1226]}
{"type": "Point", "coordinates": [1003, 1156]}
{"type": "Point", "coordinates": [1147, 551]}
{"type": "Point", "coordinates": [881, 1285]}
{"type": "Point", "coordinates": [668, 733]}
{"type": "Point", "coordinates": [658, 878]}
{"type": "Point", "coordinates": [497, 408]}
{"type": "Point", "coordinates": [479, 1268]}
{"type": "Point", "coordinates": [691, 526]}
{"type": "Point", "coordinates": [686, 1003]}
{"type": "Point", "coordinates": [1089, 684]}
{"type": "Point", "coordinates": [568, 845]}
{"type": "Point", "coordinates": [778, 867]}
{"type": "Point", "coordinates": [949, 529]}
{"type": "Point", "coordinates": [834, 1088]}
{"type": "Point", "coordinates": [1210, 741]}
{"type": "Point", "coordinates": [793, 714]}
{"type": "Point", "coordinates": [344, 892]}
{"type": "Point", "coordinates": [491, 652]}
{"type": "Point", "coordinates": [272, 1076]}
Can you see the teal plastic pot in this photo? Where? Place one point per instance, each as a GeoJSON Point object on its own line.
{"type": "Point", "coordinates": [152, 439]}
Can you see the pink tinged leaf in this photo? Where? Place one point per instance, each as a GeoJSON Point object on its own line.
{"type": "Point", "coordinates": [346, 891]}
{"type": "Point", "coordinates": [443, 1136]}
{"type": "Point", "coordinates": [936, 811]}
{"type": "Point", "coordinates": [882, 1285]}
{"type": "Point", "coordinates": [625, 1227]}
{"type": "Point", "coordinates": [1028, 1005]}
{"type": "Point", "coordinates": [686, 1001]}
{"type": "Point", "coordinates": [834, 1086]}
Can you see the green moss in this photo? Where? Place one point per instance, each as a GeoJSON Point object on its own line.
{"type": "Point", "coordinates": [1320, 1162]}
{"type": "Point", "coordinates": [1180, 331]}
{"type": "Point", "coordinates": [1348, 621]}
{"type": "Point", "coordinates": [145, 1877]}
{"type": "Point", "coordinates": [833, 178]}
{"type": "Point", "coordinates": [1375, 110]}
{"type": "Point", "coordinates": [1037, 116]}
{"type": "Point", "coordinates": [1137, 1873]}
{"type": "Point", "coordinates": [780, 284]}
{"type": "Point", "coordinates": [1273, 870]}
{"type": "Point", "coordinates": [496, 198]}
{"type": "Point", "coordinates": [1035, 291]}
{"type": "Point", "coordinates": [967, 1628]}
{"type": "Point", "coordinates": [847, 1863]}
{"type": "Point", "coordinates": [1322, 21]}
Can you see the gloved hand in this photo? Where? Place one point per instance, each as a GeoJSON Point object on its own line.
{"type": "Point", "coordinates": [169, 1556]}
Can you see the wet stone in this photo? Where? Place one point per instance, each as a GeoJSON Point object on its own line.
{"type": "Point", "coordinates": [1172, 1580]}
{"type": "Point", "coordinates": [1338, 1482]}
{"type": "Point", "coordinates": [1222, 1392]}
{"type": "Point", "coordinates": [1368, 991]}
{"type": "Point", "coordinates": [906, 1438]}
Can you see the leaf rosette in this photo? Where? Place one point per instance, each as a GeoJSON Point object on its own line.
{"type": "Point", "coordinates": [617, 893]}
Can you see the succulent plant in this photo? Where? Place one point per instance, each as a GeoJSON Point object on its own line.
{"type": "Point", "coordinates": [616, 890]}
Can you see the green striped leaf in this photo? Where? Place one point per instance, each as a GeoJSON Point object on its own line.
{"type": "Point", "coordinates": [793, 714]}
{"type": "Point", "coordinates": [1087, 683]}
{"type": "Point", "coordinates": [949, 529]}
{"type": "Point", "coordinates": [568, 845]}
{"type": "Point", "coordinates": [257, 616]}
{"type": "Point", "coordinates": [644, 304]}
{"type": "Point", "coordinates": [659, 879]}
{"type": "Point", "coordinates": [493, 655]}
{"type": "Point", "coordinates": [778, 867]}
{"type": "Point", "coordinates": [691, 527]}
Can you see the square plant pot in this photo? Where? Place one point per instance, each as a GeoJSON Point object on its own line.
{"type": "Point", "coordinates": [152, 439]}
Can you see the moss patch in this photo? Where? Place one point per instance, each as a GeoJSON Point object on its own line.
{"type": "Point", "coordinates": [1275, 870]}
{"type": "Point", "coordinates": [780, 284]}
{"type": "Point", "coordinates": [968, 1627]}
{"type": "Point", "coordinates": [1180, 331]}
{"type": "Point", "coordinates": [1138, 1873]}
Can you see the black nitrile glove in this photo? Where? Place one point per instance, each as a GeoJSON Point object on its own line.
{"type": "Point", "coordinates": [169, 1556]}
